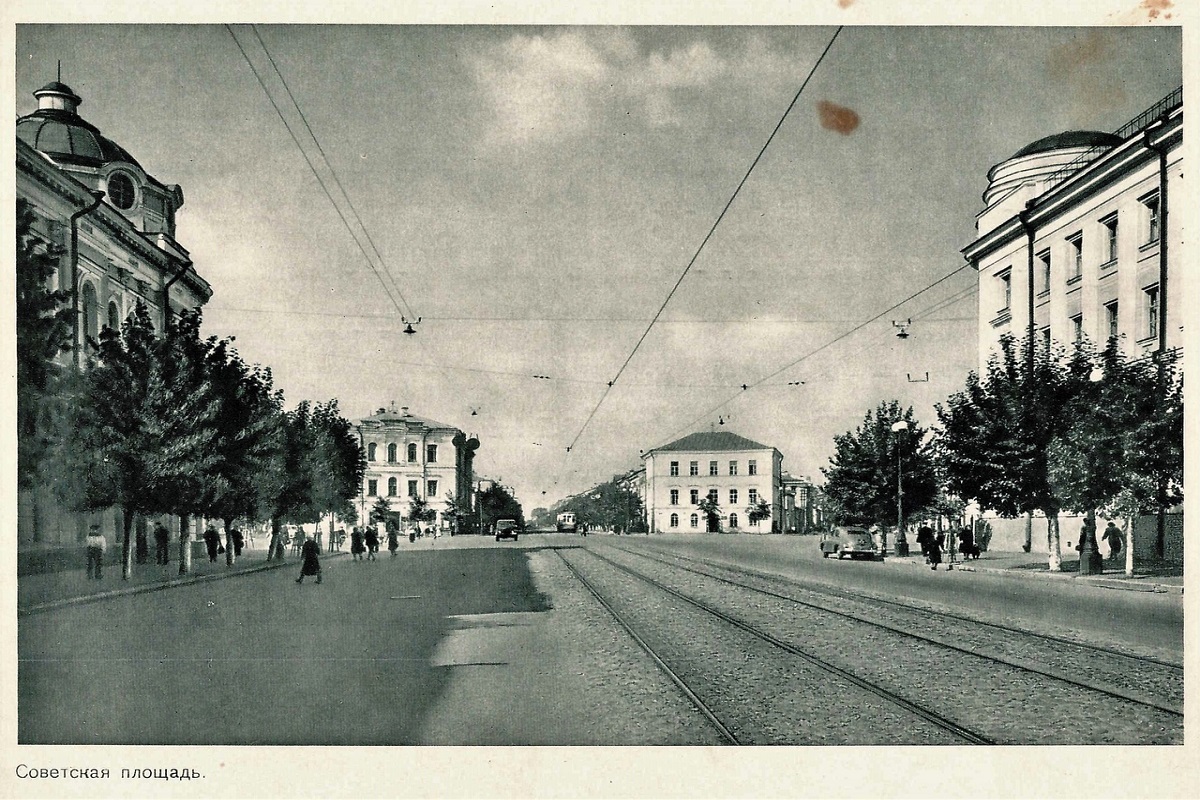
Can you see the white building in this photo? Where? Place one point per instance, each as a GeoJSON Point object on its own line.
{"type": "Point", "coordinates": [411, 457]}
{"type": "Point", "coordinates": [735, 471]}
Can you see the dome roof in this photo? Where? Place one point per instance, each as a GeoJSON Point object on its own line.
{"type": "Point", "coordinates": [1070, 139]}
{"type": "Point", "coordinates": [57, 130]}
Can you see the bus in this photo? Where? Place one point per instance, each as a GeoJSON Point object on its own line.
{"type": "Point", "coordinates": [566, 522]}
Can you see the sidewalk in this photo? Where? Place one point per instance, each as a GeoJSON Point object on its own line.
{"type": "Point", "coordinates": [1149, 576]}
{"type": "Point", "coordinates": [46, 591]}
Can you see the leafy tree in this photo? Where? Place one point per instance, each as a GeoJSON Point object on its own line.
{"type": "Point", "coordinates": [497, 502]}
{"type": "Point", "coordinates": [335, 461]}
{"type": "Point", "coordinates": [874, 463]}
{"type": "Point", "coordinates": [284, 482]}
{"type": "Point", "coordinates": [712, 513]}
{"type": "Point", "coordinates": [758, 512]}
{"type": "Point", "coordinates": [382, 512]}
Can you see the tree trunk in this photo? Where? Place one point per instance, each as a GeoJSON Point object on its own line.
{"type": "Point", "coordinates": [1054, 542]}
{"type": "Point", "coordinates": [143, 542]}
{"type": "Point", "coordinates": [126, 548]}
{"type": "Point", "coordinates": [1028, 532]}
{"type": "Point", "coordinates": [185, 545]}
{"type": "Point", "coordinates": [1128, 525]}
{"type": "Point", "coordinates": [229, 559]}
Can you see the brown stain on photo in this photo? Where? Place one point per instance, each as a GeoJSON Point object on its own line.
{"type": "Point", "coordinates": [1084, 69]}
{"type": "Point", "coordinates": [837, 118]}
{"type": "Point", "coordinates": [845, 3]}
{"type": "Point", "coordinates": [1155, 7]}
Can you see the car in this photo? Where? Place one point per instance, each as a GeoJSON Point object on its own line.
{"type": "Point", "coordinates": [848, 541]}
{"type": "Point", "coordinates": [506, 529]}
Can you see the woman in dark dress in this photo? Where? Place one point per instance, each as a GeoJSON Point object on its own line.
{"type": "Point", "coordinates": [311, 565]}
{"type": "Point", "coordinates": [372, 543]}
{"type": "Point", "coordinates": [935, 551]}
{"type": "Point", "coordinates": [393, 541]}
{"type": "Point", "coordinates": [356, 543]}
{"type": "Point", "coordinates": [212, 542]}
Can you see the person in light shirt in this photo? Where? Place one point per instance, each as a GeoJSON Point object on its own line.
{"type": "Point", "coordinates": [95, 552]}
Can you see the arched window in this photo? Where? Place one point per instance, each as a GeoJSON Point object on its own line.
{"type": "Point", "coordinates": [391, 487]}
{"type": "Point", "coordinates": [91, 322]}
{"type": "Point", "coordinates": [114, 316]}
{"type": "Point", "coordinates": [121, 191]}
{"type": "Point", "coordinates": [412, 453]}
{"type": "Point", "coordinates": [371, 451]}
{"type": "Point", "coordinates": [674, 520]}
{"type": "Point", "coordinates": [733, 520]}
{"type": "Point", "coordinates": [695, 520]}
{"type": "Point", "coordinates": [392, 453]}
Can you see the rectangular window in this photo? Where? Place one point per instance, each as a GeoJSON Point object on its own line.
{"type": "Point", "coordinates": [694, 468]}
{"type": "Point", "coordinates": [733, 468]}
{"type": "Point", "coordinates": [1046, 338]}
{"type": "Point", "coordinates": [752, 496]}
{"type": "Point", "coordinates": [674, 497]}
{"type": "Point", "coordinates": [1111, 312]}
{"type": "Point", "coordinates": [1006, 290]}
{"type": "Point", "coordinates": [1151, 204]}
{"type": "Point", "coordinates": [1077, 329]}
{"type": "Point", "coordinates": [1044, 262]}
{"type": "Point", "coordinates": [712, 496]}
{"type": "Point", "coordinates": [431, 453]}
{"type": "Point", "coordinates": [391, 487]}
{"type": "Point", "coordinates": [695, 496]}
{"type": "Point", "coordinates": [1110, 238]}
{"type": "Point", "coordinates": [372, 488]}
{"type": "Point", "coordinates": [1151, 311]}
{"type": "Point", "coordinates": [674, 469]}
{"type": "Point", "coordinates": [1076, 254]}
{"type": "Point", "coordinates": [752, 467]}
{"type": "Point", "coordinates": [431, 487]}
{"type": "Point", "coordinates": [712, 468]}
{"type": "Point", "coordinates": [412, 488]}
{"type": "Point", "coordinates": [694, 521]}
{"type": "Point", "coordinates": [733, 497]}
{"type": "Point", "coordinates": [412, 453]}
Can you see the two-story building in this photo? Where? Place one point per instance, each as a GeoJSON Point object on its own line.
{"type": "Point", "coordinates": [735, 472]}
{"type": "Point", "coordinates": [411, 457]}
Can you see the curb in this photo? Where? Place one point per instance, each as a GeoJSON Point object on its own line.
{"type": "Point", "coordinates": [1098, 581]}
{"type": "Point", "coordinates": [154, 587]}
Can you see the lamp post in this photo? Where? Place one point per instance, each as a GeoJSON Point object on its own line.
{"type": "Point", "coordinates": [901, 540]}
{"type": "Point", "coordinates": [1090, 560]}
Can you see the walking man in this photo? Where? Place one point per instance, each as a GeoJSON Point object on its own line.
{"type": "Point", "coordinates": [161, 538]}
{"type": "Point", "coordinates": [212, 542]}
{"type": "Point", "coordinates": [311, 564]}
{"type": "Point", "coordinates": [95, 551]}
{"type": "Point", "coordinates": [372, 540]}
{"type": "Point", "coordinates": [1112, 537]}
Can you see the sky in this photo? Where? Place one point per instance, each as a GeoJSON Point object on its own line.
{"type": "Point", "coordinates": [535, 193]}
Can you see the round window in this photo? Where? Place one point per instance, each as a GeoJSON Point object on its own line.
{"type": "Point", "coordinates": [120, 190]}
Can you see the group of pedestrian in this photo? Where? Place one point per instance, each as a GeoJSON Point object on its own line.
{"type": "Point", "coordinates": [931, 545]}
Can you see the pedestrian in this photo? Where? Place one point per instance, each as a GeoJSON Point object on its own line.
{"type": "Point", "coordinates": [935, 551]}
{"type": "Point", "coordinates": [966, 543]}
{"type": "Point", "coordinates": [1112, 535]}
{"type": "Point", "coordinates": [924, 537]}
{"type": "Point", "coordinates": [356, 543]}
{"type": "Point", "coordinates": [95, 551]}
{"type": "Point", "coordinates": [393, 541]}
{"type": "Point", "coordinates": [311, 565]}
{"type": "Point", "coordinates": [338, 538]}
{"type": "Point", "coordinates": [372, 541]}
{"type": "Point", "coordinates": [212, 542]}
{"type": "Point", "coordinates": [236, 536]}
{"type": "Point", "coordinates": [161, 539]}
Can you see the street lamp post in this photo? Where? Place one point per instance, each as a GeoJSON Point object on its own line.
{"type": "Point", "coordinates": [901, 540]}
{"type": "Point", "coordinates": [1090, 560]}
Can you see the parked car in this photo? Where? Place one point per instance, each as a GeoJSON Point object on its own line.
{"type": "Point", "coordinates": [506, 529]}
{"type": "Point", "coordinates": [848, 541]}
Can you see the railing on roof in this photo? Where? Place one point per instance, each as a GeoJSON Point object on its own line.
{"type": "Point", "coordinates": [1135, 125]}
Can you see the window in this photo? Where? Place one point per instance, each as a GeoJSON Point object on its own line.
{"type": "Point", "coordinates": [1076, 254]}
{"type": "Point", "coordinates": [120, 190]}
{"type": "Point", "coordinates": [1006, 289]}
{"type": "Point", "coordinates": [712, 468]}
{"type": "Point", "coordinates": [754, 522]}
{"type": "Point", "coordinates": [1044, 260]}
{"type": "Point", "coordinates": [371, 451]}
{"type": "Point", "coordinates": [733, 497]}
{"type": "Point", "coordinates": [1046, 338]}
{"type": "Point", "coordinates": [392, 487]}
{"type": "Point", "coordinates": [412, 453]}
{"type": "Point", "coordinates": [695, 521]}
{"type": "Point", "coordinates": [695, 496]}
{"type": "Point", "coordinates": [1077, 329]}
{"type": "Point", "coordinates": [752, 495]}
{"type": "Point", "coordinates": [114, 317]}
{"type": "Point", "coordinates": [431, 489]}
{"type": "Point", "coordinates": [674, 469]}
{"type": "Point", "coordinates": [90, 321]}
{"type": "Point", "coordinates": [752, 467]}
{"type": "Point", "coordinates": [712, 496]}
{"type": "Point", "coordinates": [733, 468]}
{"type": "Point", "coordinates": [372, 488]}
{"type": "Point", "coordinates": [1110, 238]}
{"type": "Point", "coordinates": [675, 520]}
{"type": "Point", "coordinates": [694, 468]}
{"type": "Point", "coordinates": [412, 488]}
{"type": "Point", "coordinates": [674, 497]}
{"type": "Point", "coordinates": [733, 520]}
{"type": "Point", "coordinates": [431, 453]}
{"type": "Point", "coordinates": [1111, 312]}
{"type": "Point", "coordinates": [392, 453]}
{"type": "Point", "coordinates": [1151, 204]}
{"type": "Point", "coordinates": [1151, 302]}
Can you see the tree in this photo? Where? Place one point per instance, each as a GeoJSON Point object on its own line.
{"type": "Point", "coordinates": [875, 466]}
{"type": "Point", "coordinates": [335, 461]}
{"type": "Point", "coordinates": [284, 482]}
{"type": "Point", "coordinates": [498, 502]}
{"type": "Point", "coordinates": [995, 434]}
{"type": "Point", "coordinates": [382, 512]}
{"type": "Point", "coordinates": [712, 513]}
{"type": "Point", "coordinates": [419, 511]}
{"type": "Point", "coordinates": [759, 511]}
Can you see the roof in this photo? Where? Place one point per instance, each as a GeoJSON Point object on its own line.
{"type": "Point", "coordinates": [711, 442]}
{"type": "Point", "coordinates": [384, 416]}
{"type": "Point", "coordinates": [1069, 139]}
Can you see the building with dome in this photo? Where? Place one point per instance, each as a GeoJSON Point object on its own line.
{"type": "Point", "coordinates": [1075, 241]}
{"type": "Point", "coordinates": [115, 225]}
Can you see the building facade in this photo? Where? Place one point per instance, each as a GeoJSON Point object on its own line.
{"type": "Point", "coordinates": [802, 508]}
{"type": "Point", "coordinates": [115, 225]}
{"type": "Point", "coordinates": [1076, 242]}
{"type": "Point", "coordinates": [737, 472]}
{"type": "Point", "coordinates": [411, 457]}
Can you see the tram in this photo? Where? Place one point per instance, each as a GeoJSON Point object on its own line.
{"type": "Point", "coordinates": [566, 522]}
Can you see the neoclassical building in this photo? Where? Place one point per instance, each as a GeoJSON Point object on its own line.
{"type": "Point", "coordinates": [732, 469]}
{"type": "Point", "coordinates": [115, 225]}
{"type": "Point", "coordinates": [413, 457]}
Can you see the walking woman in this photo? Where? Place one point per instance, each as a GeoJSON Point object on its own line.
{"type": "Point", "coordinates": [935, 551]}
{"type": "Point", "coordinates": [372, 539]}
{"type": "Point", "coordinates": [212, 542]}
{"type": "Point", "coordinates": [311, 565]}
{"type": "Point", "coordinates": [393, 541]}
{"type": "Point", "coordinates": [356, 543]}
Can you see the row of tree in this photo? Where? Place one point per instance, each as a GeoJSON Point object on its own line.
{"type": "Point", "coordinates": [1040, 430]}
{"type": "Point", "coordinates": [611, 505]}
{"type": "Point", "coordinates": [168, 423]}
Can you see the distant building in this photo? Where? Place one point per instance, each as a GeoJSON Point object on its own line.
{"type": "Point", "coordinates": [1083, 213]}
{"type": "Point", "coordinates": [734, 470]}
{"type": "Point", "coordinates": [802, 509]}
{"type": "Point", "coordinates": [118, 248]}
{"type": "Point", "coordinates": [412, 457]}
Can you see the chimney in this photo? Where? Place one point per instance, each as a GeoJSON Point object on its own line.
{"type": "Point", "coordinates": [392, 406]}
{"type": "Point", "coordinates": [404, 410]}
